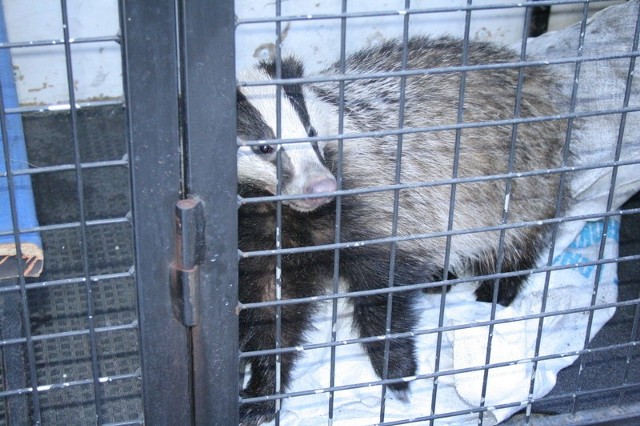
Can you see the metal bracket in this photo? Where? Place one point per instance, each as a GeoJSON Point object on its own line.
{"type": "Point", "coordinates": [190, 251]}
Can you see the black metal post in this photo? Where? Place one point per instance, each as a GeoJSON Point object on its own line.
{"type": "Point", "coordinates": [151, 90]}
{"type": "Point", "coordinates": [209, 107]}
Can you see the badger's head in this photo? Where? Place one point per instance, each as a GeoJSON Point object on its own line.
{"type": "Point", "coordinates": [303, 170]}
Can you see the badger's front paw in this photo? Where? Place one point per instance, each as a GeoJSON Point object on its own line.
{"type": "Point", "coordinates": [256, 413]}
{"type": "Point", "coordinates": [401, 390]}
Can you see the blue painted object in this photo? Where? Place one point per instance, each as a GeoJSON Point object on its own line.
{"type": "Point", "coordinates": [30, 243]}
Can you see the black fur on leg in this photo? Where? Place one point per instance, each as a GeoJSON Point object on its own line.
{"type": "Point", "coordinates": [522, 256]}
{"type": "Point", "coordinates": [307, 274]}
{"type": "Point", "coordinates": [258, 326]}
{"type": "Point", "coordinates": [370, 320]}
{"type": "Point", "coordinates": [302, 276]}
{"type": "Point", "coordinates": [439, 276]}
{"type": "Point", "coordinates": [367, 268]}
{"type": "Point", "coordinates": [508, 289]}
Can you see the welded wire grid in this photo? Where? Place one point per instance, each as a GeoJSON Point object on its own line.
{"type": "Point", "coordinates": [578, 397]}
{"type": "Point", "coordinates": [69, 338]}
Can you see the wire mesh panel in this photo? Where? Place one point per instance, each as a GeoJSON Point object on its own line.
{"type": "Point", "coordinates": [430, 212]}
{"type": "Point", "coordinates": [69, 326]}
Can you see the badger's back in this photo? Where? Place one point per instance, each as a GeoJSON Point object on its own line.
{"type": "Point", "coordinates": [431, 100]}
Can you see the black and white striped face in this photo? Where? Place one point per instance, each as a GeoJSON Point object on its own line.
{"type": "Point", "coordinates": [302, 165]}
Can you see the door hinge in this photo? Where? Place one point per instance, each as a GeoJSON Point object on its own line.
{"type": "Point", "coordinates": [190, 252]}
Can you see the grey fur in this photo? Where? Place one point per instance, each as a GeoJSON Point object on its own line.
{"type": "Point", "coordinates": [432, 100]}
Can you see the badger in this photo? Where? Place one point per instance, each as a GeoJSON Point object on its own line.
{"type": "Point", "coordinates": [443, 171]}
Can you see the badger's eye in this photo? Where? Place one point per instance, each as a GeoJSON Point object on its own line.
{"type": "Point", "coordinates": [312, 132]}
{"type": "Point", "coordinates": [265, 149]}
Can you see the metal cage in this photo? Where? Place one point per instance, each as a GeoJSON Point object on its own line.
{"type": "Point", "coordinates": [119, 275]}
{"type": "Point", "coordinates": [69, 346]}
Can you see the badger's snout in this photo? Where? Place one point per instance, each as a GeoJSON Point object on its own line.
{"type": "Point", "coordinates": [321, 185]}
{"type": "Point", "coordinates": [305, 173]}
{"type": "Point", "coordinates": [317, 186]}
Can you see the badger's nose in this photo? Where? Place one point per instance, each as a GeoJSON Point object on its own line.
{"type": "Point", "coordinates": [322, 185]}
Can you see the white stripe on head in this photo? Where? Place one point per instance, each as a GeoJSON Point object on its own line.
{"type": "Point", "coordinates": [303, 171]}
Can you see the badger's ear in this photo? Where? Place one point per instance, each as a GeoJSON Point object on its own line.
{"type": "Point", "coordinates": [290, 67]}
